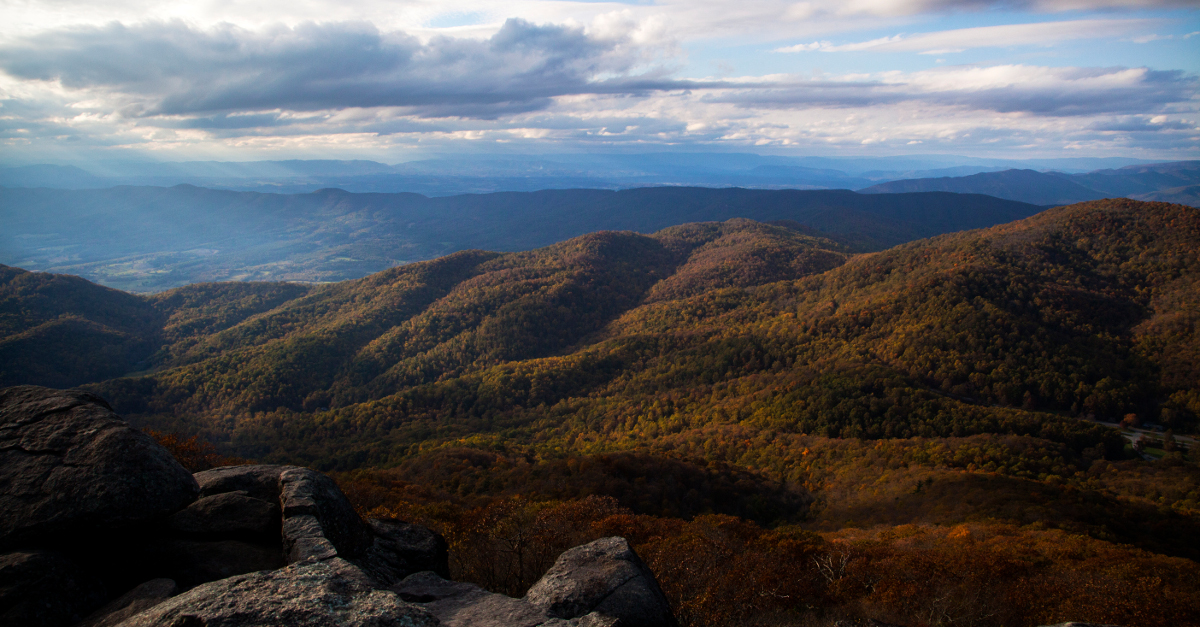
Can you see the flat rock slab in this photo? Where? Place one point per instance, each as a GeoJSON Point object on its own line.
{"type": "Point", "coordinates": [68, 463]}
{"type": "Point", "coordinates": [332, 593]}
{"type": "Point", "coordinates": [458, 604]}
{"type": "Point", "coordinates": [260, 481]}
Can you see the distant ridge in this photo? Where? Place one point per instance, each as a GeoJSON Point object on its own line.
{"type": "Point", "coordinates": [481, 174]}
{"type": "Point", "coordinates": [1021, 185]}
{"type": "Point", "coordinates": [1155, 181]}
{"type": "Point", "coordinates": [56, 176]}
{"type": "Point", "coordinates": [1189, 195]}
{"type": "Point", "coordinates": [154, 238]}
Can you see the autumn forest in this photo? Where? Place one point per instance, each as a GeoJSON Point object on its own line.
{"type": "Point", "coordinates": [984, 428]}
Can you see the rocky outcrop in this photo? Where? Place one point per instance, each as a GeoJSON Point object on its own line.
{"type": "Point", "coordinates": [107, 529]}
{"type": "Point", "coordinates": [601, 583]}
{"type": "Point", "coordinates": [331, 593]}
{"type": "Point", "coordinates": [68, 463]}
{"type": "Point", "coordinates": [317, 521]}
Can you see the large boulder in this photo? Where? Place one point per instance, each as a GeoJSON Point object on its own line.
{"type": "Point", "coordinates": [602, 584]}
{"type": "Point", "coordinates": [331, 593]}
{"type": "Point", "coordinates": [67, 462]}
{"type": "Point", "coordinates": [605, 577]}
{"type": "Point", "coordinates": [401, 549]}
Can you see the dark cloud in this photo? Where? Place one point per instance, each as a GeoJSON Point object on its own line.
{"type": "Point", "coordinates": [228, 122]}
{"type": "Point", "coordinates": [174, 69]}
{"type": "Point", "coordinates": [814, 94]}
{"type": "Point", "coordinates": [1066, 92]}
{"type": "Point", "coordinates": [1076, 93]}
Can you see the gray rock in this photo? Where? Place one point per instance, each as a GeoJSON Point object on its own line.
{"type": "Point", "coordinates": [594, 619]}
{"type": "Point", "coordinates": [229, 513]}
{"type": "Point", "coordinates": [605, 577]}
{"type": "Point", "coordinates": [136, 601]}
{"type": "Point", "coordinates": [318, 521]}
{"type": "Point", "coordinates": [304, 539]}
{"type": "Point", "coordinates": [306, 492]}
{"type": "Point", "coordinates": [45, 589]}
{"type": "Point", "coordinates": [332, 593]}
{"type": "Point", "coordinates": [457, 604]}
{"type": "Point", "coordinates": [401, 549]}
{"type": "Point", "coordinates": [257, 481]}
{"type": "Point", "coordinates": [67, 462]}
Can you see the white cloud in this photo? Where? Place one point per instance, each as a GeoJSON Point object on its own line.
{"type": "Point", "coordinates": [224, 77]}
{"type": "Point", "coordinates": [171, 68]}
{"type": "Point", "coordinates": [1008, 35]}
{"type": "Point", "coordinates": [1024, 89]}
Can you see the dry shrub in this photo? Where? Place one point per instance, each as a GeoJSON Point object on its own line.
{"type": "Point", "coordinates": [193, 453]}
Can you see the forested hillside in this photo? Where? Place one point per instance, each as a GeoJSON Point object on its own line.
{"type": "Point", "coordinates": [613, 335]}
{"type": "Point", "coordinates": [1086, 310]}
{"type": "Point", "coordinates": [733, 369]}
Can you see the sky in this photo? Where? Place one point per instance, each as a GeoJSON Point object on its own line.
{"type": "Point", "coordinates": [397, 80]}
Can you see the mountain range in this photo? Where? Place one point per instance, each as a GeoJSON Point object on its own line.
{"type": "Point", "coordinates": [153, 238]}
{"type": "Point", "coordinates": [1168, 182]}
{"type": "Point", "coordinates": [460, 174]}
{"type": "Point", "coordinates": [1087, 309]}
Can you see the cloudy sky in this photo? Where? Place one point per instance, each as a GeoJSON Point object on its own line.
{"type": "Point", "coordinates": [396, 80]}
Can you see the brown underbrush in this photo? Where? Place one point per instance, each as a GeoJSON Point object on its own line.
{"type": "Point", "coordinates": [719, 570]}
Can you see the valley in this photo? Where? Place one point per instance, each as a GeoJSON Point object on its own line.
{"type": "Point", "coordinates": [147, 239]}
